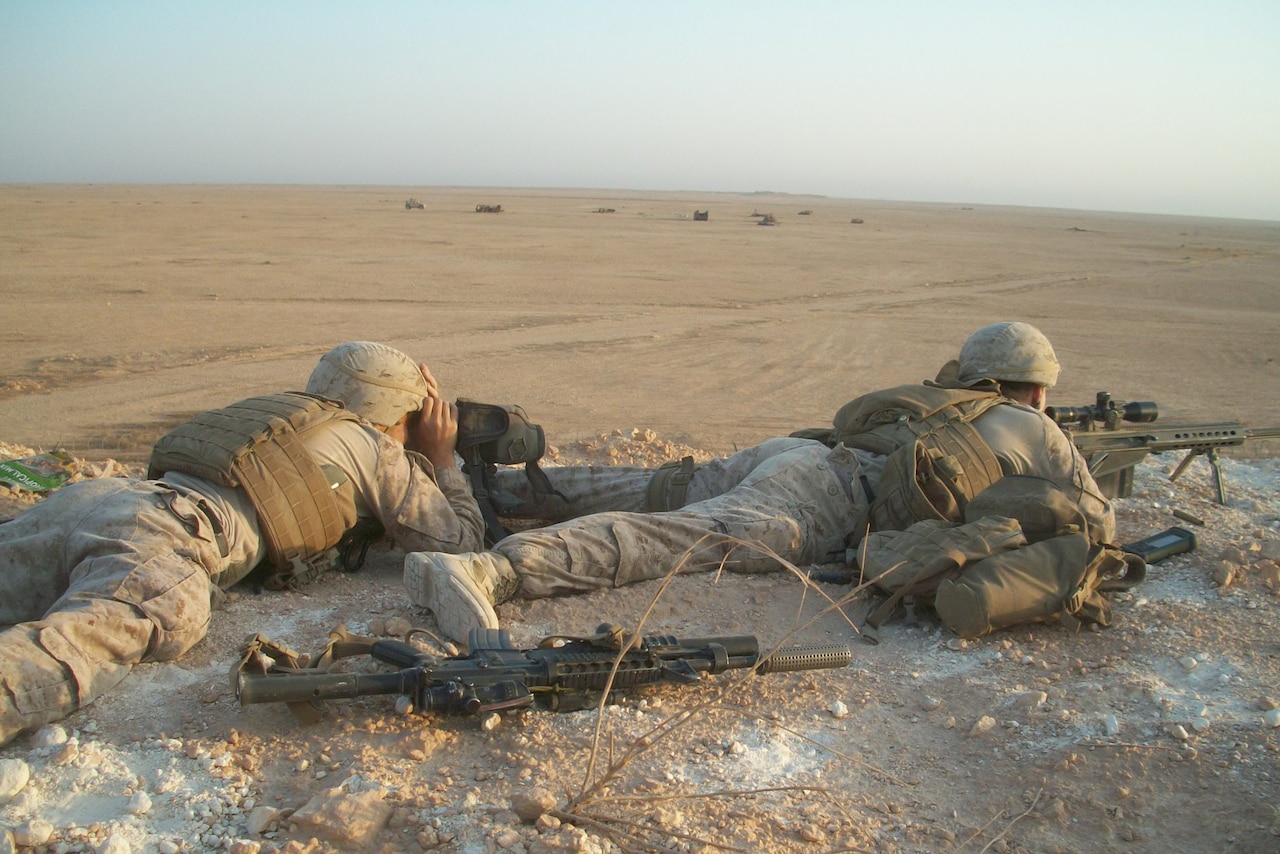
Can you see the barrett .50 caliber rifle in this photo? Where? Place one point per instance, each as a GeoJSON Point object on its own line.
{"type": "Point", "coordinates": [561, 673]}
{"type": "Point", "coordinates": [1112, 449]}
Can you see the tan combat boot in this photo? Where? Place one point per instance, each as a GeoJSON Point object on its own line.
{"type": "Point", "coordinates": [461, 590]}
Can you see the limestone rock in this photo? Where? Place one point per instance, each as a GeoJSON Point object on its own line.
{"type": "Point", "coordinates": [533, 804]}
{"type": "Point", "coordinates": [345, 817]}
{"type": "Point", "coordinates": [14, 774]}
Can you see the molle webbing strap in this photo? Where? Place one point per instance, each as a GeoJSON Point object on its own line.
{"type": "Point", "coordinates": [255, 445]}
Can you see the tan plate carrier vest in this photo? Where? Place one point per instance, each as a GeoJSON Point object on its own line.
{"type": "Point", "coordinates": [256, 445]}
{"type": "Point", "coordinates": [936, 461]}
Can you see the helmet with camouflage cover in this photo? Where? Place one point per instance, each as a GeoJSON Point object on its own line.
{"type": "Point", "coordinates": [1009, 351]}
{"type": "Point", "coordinates": [377, 382]}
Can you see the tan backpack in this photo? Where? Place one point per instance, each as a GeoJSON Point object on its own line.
{"type": "Point", "coordinates": [1023, 554]}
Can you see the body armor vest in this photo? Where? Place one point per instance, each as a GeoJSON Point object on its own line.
{"type": "Point", "coordinates": [936, 461]}
{"type": "Point", "coordinates": [256, 445]}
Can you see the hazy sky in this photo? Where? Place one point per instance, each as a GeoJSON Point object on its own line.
{"type": "Point", "coordinates": [1162, 106]}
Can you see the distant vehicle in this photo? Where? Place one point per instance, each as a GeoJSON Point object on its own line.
{"type": "Point", "coordinates": [701, 216]}
{"type": "Point", "coordinates": [488, 208]}
{"type": "Point", "coordinates": [414, 204]}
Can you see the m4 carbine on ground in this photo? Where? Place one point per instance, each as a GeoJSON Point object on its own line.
{"type": "Point", "coordinates": [1112, 449]}
{"type": "Point", "coordinates": [561, 673]}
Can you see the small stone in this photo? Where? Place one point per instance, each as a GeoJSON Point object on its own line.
{"type": "Point", "coordinates": [350, 818]}
{"type": "Point", "coordinates": [1179, 732]}
{"type": "Point", "coordinates": [1266, 704]}
{"type": "Point", "coordinates": [14, 774]}
{"type": "Point", "coordinates": [260, 819]}
{"type": "Point", "coordinates": [115, 844]}
{"type": "Point", "coordinates": [1188, 662]}
{"type": "Point", "coordinates": [839, 710]}
{"type": "Point", "coordinates": [404, 706]}
{"type": "Point", "coordinates": [1111, 725]}
{"type": "Point", "coordinates": [1272, 718]}
{"type": "Point", "coordinates": [69, 753]}
{"type": "Point", "coordinates": [398, 627]}
{"type": "Point", "coordinates": [957, 644]}
{"type": "Point", "coordinates": [139, 804]}
{"type": "Point", "coordinates": [1025, 701]}
{"type": "Point", "coordinates": [50, 735]}
{"type": "Point", "coordinates": [533, 804]}
{"type": "Point", "coordinates": [507, 839]}
{"type": "Point", "coordinates": [33, 833]}
{"type": "Point", "coordinates": [812, 833]}
{"type": "Point", "coordinates": [930, 704]}
{"type": "Point", "coordinates": [1200, 724]}
{"type": "Point", "coordinates": [491, 722]}
{"type": "Point", "coordinates": [985, 724]}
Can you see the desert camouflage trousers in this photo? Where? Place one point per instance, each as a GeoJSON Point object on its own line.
{"type": "Point", "coordinates": [793, 498]}
{"type": "Point", "coordinates": [601, 489]}
{"type": "Point", "coordinates": [102, 575]}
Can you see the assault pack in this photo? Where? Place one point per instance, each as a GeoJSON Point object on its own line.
{"type": "Point", "coordinates": [1022, 553]}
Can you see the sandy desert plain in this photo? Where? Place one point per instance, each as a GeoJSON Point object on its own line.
{"type": "Point", "coordinates": [634, 336]}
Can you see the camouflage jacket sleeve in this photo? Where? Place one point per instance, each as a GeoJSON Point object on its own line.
{"type": "Point", "coordinates": [423, 508]}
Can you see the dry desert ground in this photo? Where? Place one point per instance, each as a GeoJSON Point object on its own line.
{"type": "Point", "coordinates": [634, 333]}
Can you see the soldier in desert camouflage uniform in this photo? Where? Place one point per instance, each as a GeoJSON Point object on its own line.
{"type": "Point", "coordinates": [802, 499]}
{"type": "Point", "coordinates": [106, 574]}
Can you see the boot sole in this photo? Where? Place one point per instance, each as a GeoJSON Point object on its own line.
{"type": "Point", "coordinates": [456, 607]}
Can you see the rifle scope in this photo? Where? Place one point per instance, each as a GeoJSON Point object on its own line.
{"type": "Point", "coordinates": [1106, 411]}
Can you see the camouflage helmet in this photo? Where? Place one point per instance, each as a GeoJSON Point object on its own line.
{"type": "Point", "coordinates": [377, 382]}
{"type": "Point", "coordinates": [1010, 351]}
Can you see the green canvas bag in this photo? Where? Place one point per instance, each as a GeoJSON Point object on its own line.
{"type": "Point", "coordinates": [1023, 554]}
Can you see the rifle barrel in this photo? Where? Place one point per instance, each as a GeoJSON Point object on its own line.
{"type": "Point", "coordinates": [1169, 437]}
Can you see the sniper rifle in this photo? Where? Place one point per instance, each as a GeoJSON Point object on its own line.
{"type": "Point", "coordinates": [1112, 449]}
{"type": "Point", "coordinates": [561, 673]}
